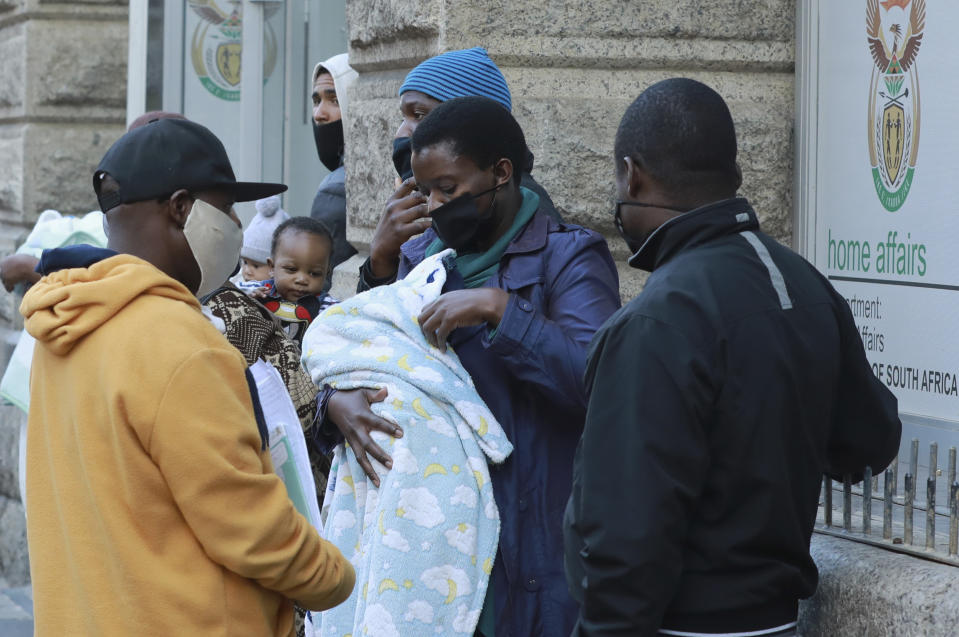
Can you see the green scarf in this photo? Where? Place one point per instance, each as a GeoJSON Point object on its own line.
{"type": "Point", "coordinates": [476, 268]}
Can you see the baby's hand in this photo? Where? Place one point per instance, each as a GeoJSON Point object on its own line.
{"type": "Point", "coordinates": [259, 293]}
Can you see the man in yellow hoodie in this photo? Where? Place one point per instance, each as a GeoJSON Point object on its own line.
{"type": "Point", "coordinates": [153, 506]}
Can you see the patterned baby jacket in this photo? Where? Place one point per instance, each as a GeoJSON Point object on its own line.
{"type": "Point", "coordinates": [295, 317]}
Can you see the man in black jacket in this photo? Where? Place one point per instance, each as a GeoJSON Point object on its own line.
{"type": "Point", "coordinates": [718, 398]}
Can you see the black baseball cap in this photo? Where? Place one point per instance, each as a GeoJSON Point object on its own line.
{"type": "Point", "coordinates": [159, 158]}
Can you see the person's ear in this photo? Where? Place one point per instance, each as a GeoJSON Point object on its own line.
{"type": "Point", "coordinates": [181, 203]}
{"type": "Point", "coordinates": [269, 263]}
{"type": "Point", "coordinates": [503, 171]}
{"type": "Point", "coordinates": [635, 177]}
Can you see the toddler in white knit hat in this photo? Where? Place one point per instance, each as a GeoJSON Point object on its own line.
{"type": "Point", "coordinates": [258, 237]}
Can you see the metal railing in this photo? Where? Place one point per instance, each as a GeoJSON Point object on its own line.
{"type": "Point", "coordinates": [899, 521]}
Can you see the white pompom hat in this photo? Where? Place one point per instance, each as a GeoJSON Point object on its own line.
{"type": "Point", "coordinates": [259, 234]}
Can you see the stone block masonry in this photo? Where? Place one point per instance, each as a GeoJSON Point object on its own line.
{"type": "Point", "coordinates": [14, 564]}
{"type": "Point", "coordinates": [573, 68]}
{"type": "Point", "coordinates": [62, 103]}
{"type": "Point", "coordinates": [864, 590]}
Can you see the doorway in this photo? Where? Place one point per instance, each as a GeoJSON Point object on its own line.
{"type": "Point", "coordinates": [186, 57]}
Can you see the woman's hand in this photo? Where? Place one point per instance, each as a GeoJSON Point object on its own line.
{"type": "Point", "coordinates": [406, 215]}
{"type": "Point", "coordinates": [350, 412]}
{"type": "Point", "coordinates": [461, 308]}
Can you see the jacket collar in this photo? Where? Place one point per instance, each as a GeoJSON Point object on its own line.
{"type": "Point", "coordinates": [533, 236]}
{"type": "Point", "coordinates": [693, 228]}
{"type": "Point", "coordinates": [75, 256]}
{"type": "Point", "coordinates": [530, 239]}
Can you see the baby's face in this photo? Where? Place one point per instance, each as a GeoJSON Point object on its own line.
{"type": "Point", "coordinates": [254, 270]}
{"type": "Point", "coordinates": [300, 264]}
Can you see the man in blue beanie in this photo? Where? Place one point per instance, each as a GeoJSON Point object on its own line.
{"type": "Point", "coordinates": [459, 74]}
{"type": "Point", "coordinates": [463, 73]}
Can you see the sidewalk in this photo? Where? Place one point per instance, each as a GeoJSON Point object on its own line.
{"type": "Point", "coordinates": [16, 612]}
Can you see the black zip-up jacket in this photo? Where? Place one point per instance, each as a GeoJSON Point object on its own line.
{"type": "Point", "coordinates": [717, 400]}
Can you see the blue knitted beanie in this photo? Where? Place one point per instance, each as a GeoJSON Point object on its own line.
{"type": "Point", "coordinates": [464, 73]}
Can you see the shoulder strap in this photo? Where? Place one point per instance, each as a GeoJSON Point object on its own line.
{"type": "Point", "coordinates": [206, 299]}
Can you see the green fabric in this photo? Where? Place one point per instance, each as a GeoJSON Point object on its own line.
{"type": "Point", "coordinates": [487, 619]}
{"type": "Point", "coordinates": [476, 268]}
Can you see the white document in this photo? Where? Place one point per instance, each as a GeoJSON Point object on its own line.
{"type": "Point", "coordinates": [287, 443]}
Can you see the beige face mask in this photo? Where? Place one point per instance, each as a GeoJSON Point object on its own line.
{"type": "Point", "coordinates": [215, 241]}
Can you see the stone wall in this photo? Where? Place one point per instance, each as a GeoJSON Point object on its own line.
{"type": "Point", "coordinates": [62, 103]}
{"type": "Point", "coordinates": [864, 590]}
{"type": "Point", "coordinates": [573, 68]}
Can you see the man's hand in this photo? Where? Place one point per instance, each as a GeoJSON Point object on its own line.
{"type": "Point", "coordinates": [461, 308]}
{"type": "Point", "coordinates": [350, 412]}
{"type": "Point", "coordinates": [18, 268]}
{"type": "Point", "coordinates": [406, 215]}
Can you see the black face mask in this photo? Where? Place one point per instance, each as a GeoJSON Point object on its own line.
{"type": "Point", "coordinates": [460, 226]}
{"type": "Point", "coordinates": [402, 157]}
{"type": "Point", "coordinates": [634, 243]}
{"type": "Point", "coordinates": [329, 143]}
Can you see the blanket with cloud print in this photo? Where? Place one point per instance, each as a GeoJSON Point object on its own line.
{"type": "Point", "coordinates": [423, 543]}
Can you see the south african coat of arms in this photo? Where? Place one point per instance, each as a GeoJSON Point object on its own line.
{"type": "Point", "coordinates": [216, 47]}
{"type": "Point", "coordinates": [894, 35]}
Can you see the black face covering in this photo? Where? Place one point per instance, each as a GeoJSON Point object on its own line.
{"type": "Point", "coordinates": [329, 143]}
{"type": "Point", "coordinates": [634, 243]}
{"type": "Point", "coordinates": [402, 157]}
{"type": "Point", "coordinates": [459, 224]}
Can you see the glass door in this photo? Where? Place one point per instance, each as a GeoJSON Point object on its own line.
{"type": "Point", "coordinates": [242, 68]}
{"type": "Point", "coordinates": [317, 32]}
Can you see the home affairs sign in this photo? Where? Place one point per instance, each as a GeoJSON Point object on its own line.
{"type": "Point", "coordinates": [878, 209]}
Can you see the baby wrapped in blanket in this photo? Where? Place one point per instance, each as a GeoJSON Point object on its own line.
{"type": "Point", "coordinates": [423, 543]}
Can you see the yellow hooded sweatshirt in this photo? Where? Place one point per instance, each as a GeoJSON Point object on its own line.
{"type": "Point", "coordinates": [153, 509]}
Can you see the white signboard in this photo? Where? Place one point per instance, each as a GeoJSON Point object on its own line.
{"type": "Point", "coordinates": [883, 217]}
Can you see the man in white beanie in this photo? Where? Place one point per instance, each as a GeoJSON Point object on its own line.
{"type": "Point", "coordinates": [331, 79]}
{"type": "Point", "coordinates": [258, 239]}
